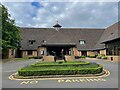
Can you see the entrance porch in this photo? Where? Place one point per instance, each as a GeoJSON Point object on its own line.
{"type": "Point", "coordinates": [60, 52]}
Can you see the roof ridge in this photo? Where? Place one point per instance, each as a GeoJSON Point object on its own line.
{"type": "Point", "coordinates": [64, 28]}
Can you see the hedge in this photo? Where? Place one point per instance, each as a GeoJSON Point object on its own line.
{"type": "Point", "coordinates": [49, 64]}
{"type": "Point", "coordinates": [92, 56]}
{"type": "Point", "coordinates": [35, 57]}
{"type": "Point", "coordinates": [101, 56]}
{"type": "Point", "coordinates": [59, 71]}
{"type": "Point", "coordinates": [83, 57]}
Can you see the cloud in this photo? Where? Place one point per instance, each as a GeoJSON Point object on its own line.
{"type": "Point", "coordinates": [69, 14]}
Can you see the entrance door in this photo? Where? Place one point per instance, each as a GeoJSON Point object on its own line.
{"type": "Point", "coordinates": [18, 53]}
{"type": "Point", "coordinates": [84, 53]}
{"type": "Point", "coordinates": [57, 51]}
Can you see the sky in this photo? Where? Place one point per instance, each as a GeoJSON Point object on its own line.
{"type": "Point", "coordinates": [68, 14]}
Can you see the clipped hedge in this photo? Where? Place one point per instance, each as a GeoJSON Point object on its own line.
{"type": "Point", "coordinates": [52, 64]}
{"type": "Point", "coordinates": [35, 57]}
{"type": "Point", "coordinates": [83, 57]}
{"type": "Point", "coordinates": [101, 56]}
{"type": "Point", "coordinates": [32, 71]}
{"type": "Point", "coordinates": [92, 56]}
{"type": "Point", "coordinates": [78, 57]}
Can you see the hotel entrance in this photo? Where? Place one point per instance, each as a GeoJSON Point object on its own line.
{"type": "Point", "coordinates": [59, 52]}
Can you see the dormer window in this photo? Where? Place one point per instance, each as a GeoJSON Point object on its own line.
{"type": "Point", "coordinates": [82, 42]}
{"type": "Point", "coordinates": [44, 41]}
{"type": "Point", "coordinates": [31, 42]}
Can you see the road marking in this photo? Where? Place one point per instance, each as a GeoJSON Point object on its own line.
{"type": "Point", "coordinates": [24, 82]}
{"type": "Point", "coordinates": [81, 80]}
{"type": "Point", "coordinates": [105, 75]}
{"type": "Point", "coordinates": [29, 82]}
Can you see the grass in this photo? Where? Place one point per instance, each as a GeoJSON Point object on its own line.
{"type": "Point", "coordinates": [27, 58]}
{"type": "Point", "coordinates": [20, 59]}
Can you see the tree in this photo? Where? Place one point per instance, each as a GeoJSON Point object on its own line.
{"type": "Point", "coordinates": [10, 32]}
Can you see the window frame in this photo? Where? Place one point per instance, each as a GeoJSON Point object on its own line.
{"type": "Point", "coordinates": [31, 42]}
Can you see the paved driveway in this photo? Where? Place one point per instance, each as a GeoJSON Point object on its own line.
{"type": "Point", "coordinates": [105, 82]}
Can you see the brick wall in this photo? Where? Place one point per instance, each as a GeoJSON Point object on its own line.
{"type": "Point", "coordinates": [114, 58]}
{"type": "Point", "coordinates": [25, 54]}
{"type": "Point", "coordinates": [103, 52]}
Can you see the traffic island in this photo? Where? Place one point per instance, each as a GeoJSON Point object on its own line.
{"type": "Point", "coordinates": [60, 69]}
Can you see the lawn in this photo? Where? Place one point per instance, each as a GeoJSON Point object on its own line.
{"type": "Point", "coordinates": [28, 58]}
{"type": "Point", "coordinates": [20, 59]}
{"type": "Point", "coordinates": [60, 68]}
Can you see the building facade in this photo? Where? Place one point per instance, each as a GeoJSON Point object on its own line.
{"type": "Point", "coordinates": [48, 42]}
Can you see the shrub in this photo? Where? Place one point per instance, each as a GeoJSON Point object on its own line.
{"type": "Point", "coordinates": [63, 71]}
{"type": "Point", "coordinates": [25, 58]}
{"type": "Point", "coordinates": [35, 57]}
{"type": "Point", "coordinates": [92, 56]}
{"type": "Point", "coordinates": [51, 64]}
{"type": "Point", "coordinates": [104, 57]}
{"type": "Point", "coordinates": [78, 57]}
{"type": "Point", "coordinates": [101, 56]}
{"type": "Point", "coordinates": [60, 69]}
{"type": "Point", "coordinates": [83, 57]}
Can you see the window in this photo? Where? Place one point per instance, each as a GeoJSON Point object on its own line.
{"type": "Point", "coordinates": [44, 41]}
{"type": "Point", "coordinates": [42, 52]}
{"type": "Point", "coordinates": [31, 42]}
{"type": "Point", "coordinates": [82, 42]}
{"type": "Point", "coordinates": [112, 48]}
{"type": "Point", "coordinates": [12, 52]}
{"type": "Point", "coordinates": [29, 52]}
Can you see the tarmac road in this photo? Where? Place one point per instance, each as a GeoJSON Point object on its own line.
{"type": "Point", "coordinates": [110, 81]}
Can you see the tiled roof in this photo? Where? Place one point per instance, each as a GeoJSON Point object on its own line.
{"type": "Point", "coordinates": [65, 36]}
{"type": "Point", "coordinates": [111, 33]}
{"type": "Point", "coordinates": [68, 36]}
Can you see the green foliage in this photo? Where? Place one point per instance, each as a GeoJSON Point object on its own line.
{"type": "Point", "coordinates": [0, 28]}
{"type": "Point", "coordinates": [92, 56]}
{"type": "Point", "coordinates": [58, 69]}
{"type": "Point", "coordinates": [104, 57]}
{"type": "Point", "coordinates": [78, 57]}
{"type": "Point", "coordinates": [83, 57]}
{"type": "Point", "coordinates": [21, 59]}
{"type": "Point", "coordinates": [101, 56]}
{"type": "Point", "coordinates": [35, 57]}
{"type": "Point", "coordinates": [10, 33]}
{"type": "Point", "coordinates": [72, 63]}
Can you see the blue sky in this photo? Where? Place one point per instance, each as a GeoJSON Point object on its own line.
{"type": "Point", "coordinates": [69, 14]}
